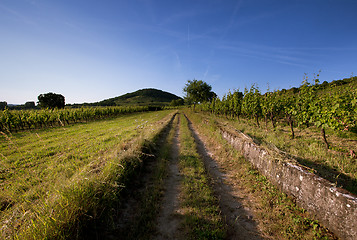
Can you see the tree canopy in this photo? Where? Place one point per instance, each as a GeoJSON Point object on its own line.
{"type": "Point", "coordinates": [198, 91]}
{"type": "Point", "coordinates": [51, 100]}
{"type": "Point", "coordinates": [3, 105]}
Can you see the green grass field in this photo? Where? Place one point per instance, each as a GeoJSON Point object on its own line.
{"type": "Point", "coordinates": [42, 169]}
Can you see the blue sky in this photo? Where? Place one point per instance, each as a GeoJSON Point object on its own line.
{"type": "Point", "coordinates": [93, 50]}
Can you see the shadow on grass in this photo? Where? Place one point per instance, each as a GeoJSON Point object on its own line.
{"type": "Point", "coordinates": [124, 217]}
{"type": "Point", "coordinates": [201, 228]}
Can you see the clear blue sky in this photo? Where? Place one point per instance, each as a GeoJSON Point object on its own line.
{"type": "Point", "coordinates": [92, 50]}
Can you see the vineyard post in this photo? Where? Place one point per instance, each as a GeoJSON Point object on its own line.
{"type": "Point", "coordinates": [324, 137]}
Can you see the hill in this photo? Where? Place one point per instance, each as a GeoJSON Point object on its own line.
{"type": "Point", "coordinates": [330, 87]}
{"type": "Point", "coordinates": [142, 97]}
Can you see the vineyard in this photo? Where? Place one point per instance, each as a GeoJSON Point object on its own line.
{"type": "Point", "coordinates": [308, 105]}
{"type": "Point", "coordinates": [33, 119]}
{"type": "Point", "coordinates": [322, 123]}
{"type": "Point", "coordinates": [111, 178]}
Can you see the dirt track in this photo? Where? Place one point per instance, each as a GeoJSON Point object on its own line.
{"type": "Point", "coordinates": [169, 217]}
{"type": "Point", "coordinates": [239, 219]}
{"type": "Point", "coordinates": [169, 220]}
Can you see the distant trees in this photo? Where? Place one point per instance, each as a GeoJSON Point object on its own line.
{"type": "Point", "coordinates": [29, 105]}
{"type": "Point", "coordinates": [177, 102]}
{"type": "Point", "coordinates": [51, 100]}
{"type": "Point", "coordinates": [198, 91]}
{"type": "Point", "coordinates": [3, 105]}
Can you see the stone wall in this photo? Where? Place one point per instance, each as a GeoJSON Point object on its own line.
{"type": "Point", "coordinates": [335, 208]}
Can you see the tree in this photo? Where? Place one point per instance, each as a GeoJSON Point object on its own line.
{"type": "Point", "coordinates": [3, 105]}
{"type": "Point", "coordinates": [198, 91]}
{"type": "Point", "coordinates": [51, 100]}
{"type": "Point", "coordinates": [29, 105]}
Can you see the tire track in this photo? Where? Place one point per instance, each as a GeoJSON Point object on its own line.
{"type": "Point", "coordinates": [239, 219]}
{"type": "Point", "coordinates": [169, 218]}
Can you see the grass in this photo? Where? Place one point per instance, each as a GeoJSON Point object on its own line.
{"type": "Point", "coordinates": [335, 165]}
{"type": "Point", "coordinates": [145, 223]}
{"type": "Point", "coordinates": [53, 180]}
{"type": "Point", "coordinates": [201, 215]}
{"type": "Point", "coordinates": [277, 215]}
{"type": "Point", "coordinates": [202, 219]}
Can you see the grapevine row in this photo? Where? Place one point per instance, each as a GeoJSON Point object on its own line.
{"type": "Point", "coordinates": [15, 120]}
{"type": "Point", "coordinates": [308, 106]}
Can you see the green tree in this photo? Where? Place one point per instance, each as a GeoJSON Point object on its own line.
{"type": "Point", "coordinates": [51, 100]}
{"type": "Point", "coordinates": [29, 105]}
{"type": "Point", "coordinates": [198, 91]}
{"type": "Point", "coordinates": [3, 105]}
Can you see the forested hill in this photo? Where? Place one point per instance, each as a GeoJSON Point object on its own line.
{"type": "Point", "coordinates": [149, 96]}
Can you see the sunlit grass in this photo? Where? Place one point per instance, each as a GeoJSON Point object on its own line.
{"type": "Point", "coordinates": [65, 165]}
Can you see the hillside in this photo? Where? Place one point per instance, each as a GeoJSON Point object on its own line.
{"type": "Point", "coordinates": [330, 87]}
{"type": "Point", "coordinates": [149, 96]}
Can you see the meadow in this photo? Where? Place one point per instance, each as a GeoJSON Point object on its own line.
{"type": "Point", "coordinates": [49, 177]}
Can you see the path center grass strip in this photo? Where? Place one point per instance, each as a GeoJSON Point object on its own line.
{"type": "Point", "coordinates": [200, 206]}
{"type": "Point", "coordinates": [53, 180]}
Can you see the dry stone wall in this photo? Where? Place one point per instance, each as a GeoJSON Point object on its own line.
{"type": "Point", "coordinates": [334, 207]}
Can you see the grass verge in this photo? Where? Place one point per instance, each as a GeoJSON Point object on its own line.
{"type": "Point", "coordinates": [277, 215]}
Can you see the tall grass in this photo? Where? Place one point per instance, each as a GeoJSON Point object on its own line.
{"type": "Point", "coordinates": [54, 181]}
